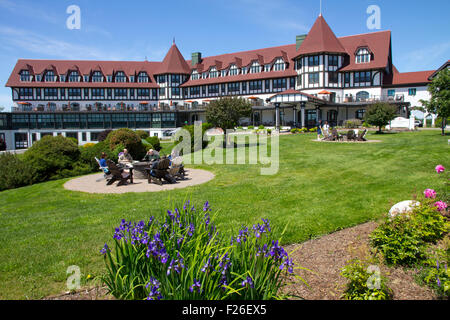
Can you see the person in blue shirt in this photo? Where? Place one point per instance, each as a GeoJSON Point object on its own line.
{"type": "Point", "coordinates": [319, 129]}
{"type": "Point", "coordinates": [103, 160]}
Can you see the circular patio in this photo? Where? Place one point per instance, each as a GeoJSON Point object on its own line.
{"type": "Point", "coordinates": [96, 183]}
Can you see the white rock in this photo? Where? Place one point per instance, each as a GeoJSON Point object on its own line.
{"type": "Point", "coordinates": [403, 207]}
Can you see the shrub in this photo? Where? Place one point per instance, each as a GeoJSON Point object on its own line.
{"type": "Point", "coordinates": [294, 130]}
{"type": "Point", "coordinates": [88, 145]}
{"type": "Point", "coordinates": [251, 127]}
{"type": "Point", "coordinates": [155, 142]}
{"type": "Point", "coordinates": [261, 127]}
{"type": "Point", "coordinates": [402, 239]}
{"type": "Point", "coordinates": [14, 172]}
{"type": "Point", "coordinates": [313, 129]}
{"type": "Point", "coordinates": [52, 157]}
{"type": "Point", "coordinates": [142, 134]}
{"type": "Point", "coordinates": [129, 139]}
{"type": "Point", "coordinates": [303, 130]}
{"type": "Point", "coordinates": [363, 283]}
{"type": "Point", "coordinates": [103, 135]}
{"type": "Point", "coordinates": [190, 129]}
{"type": "Point", "coordinates": [352, 123]}
{"type": "Point", "coordinates": [88, 154]}
{"type": "Point", "coordinates": [269, 131]}
{"type": "Point", "coordinates": [184, 257]}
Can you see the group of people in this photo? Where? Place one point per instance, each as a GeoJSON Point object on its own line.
{"type": "Point", "coordinates": [323, 130]}
{"type": "Point", "coordinates": [125, 157]}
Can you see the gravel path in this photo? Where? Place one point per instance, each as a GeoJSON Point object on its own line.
{"type": "Point", "coordinates": [95, 183]}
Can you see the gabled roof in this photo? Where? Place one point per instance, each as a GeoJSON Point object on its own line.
{"type": "Point", "coordinates": [173, 63]}
{"type": "Point", "coordinates": [445, 65]}
{"type": "Point", "coordinates": [408, 78]}
{"type": "Point", "coordinates": [378, 43]}
{"type": "Point", "coordinates": [320, 39]}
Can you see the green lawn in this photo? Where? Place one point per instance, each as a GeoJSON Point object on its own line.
{"type": "Point", "coordinates": [320, 188]}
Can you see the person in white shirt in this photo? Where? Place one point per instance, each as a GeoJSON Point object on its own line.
{"type": "Point", "coordinates": [326, 129]}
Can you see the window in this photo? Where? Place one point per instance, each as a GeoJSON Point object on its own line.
{"type": "Point", "coordinates": [292, 82]}
{"type": "Point", "coordinates": [175, 78]}
{"type": "Point", "coordinates": [279, 83]}
{"type": "Point", "coordinates": [346, 77]}
{"type": "Point", "coordinates": [131, 78]}
{"type": "Point", "coordinates": [109, 78]}
{"type": "Point", "coordinates": [51, 93]}
{"type": "Point", "coordinates": [255, 85]}
{"type": "Point", "coordinates": [21, 140]}
{"type": "Point", "coordinates": [223, 73]}
{"type": "Point", "coordinates": [213, 73]}
{"type": "Point", "coordinates": [175, 91]}
{"type": "Point", "coordinates": [313, 78]}
{"type": "Point", "coordinates": [298, 64]}
{"type": "Point", "coordinates": [255, 67]}
{"type": "Point", "coordinates": [25, 93]}
{"type": "Point", "coordinates": [313, 61]}
{"type": "Point", "coordinates": [233, 87]}
{"type": "Point", "coordinates": [360, 114]}
{"type": "Point", "coordinates": [362, 96]}
{"type": "Point", "coordinates": [25, 75]}
{"type": "Point", "coordinates": [195, 91]}
{"type": "Point", "coordinates": [195, 75]}
{"type": "Point", "coordinates": [86, 78]}
{"type": "Point", "coordinates": [162, 91]}
{"type": "Point", "coordinates": [62, 93]}
{"type": "Point", "coordinates": [233, 70]}
{"type": "Point", "coordinates": [279, 65]}
{"type": "Point", "coordinates": [333, 61]}
{"type": "Point", "coordinates": [119, 92]}
{"type": "Point", "coordinates": [50, 76]}
{"type": "Point", "coordinates": [143, 92]}
{"type": "Point", "coordinates": [363, 56]}
{"type": "Point", "coordinates": [97, 76]}
{"type": "Point", "coordinates": [74, 92]}
{"type": "Point", "coordinates": [412, 91]}
{"type": "Point", "coordinates": [120, 77]}
{"type": "Point", "coordinates": [98, 93]}
{"type": "Point", "coordinates": [244, 87]}
{"type": "Point", "coordinates": [142, 77]}
{"type": "Point", "coordinates": [267, 85]}
{"type": "Point", "coordinates": [332, 77]}
{"type": "Point", "coordinates": [267, 68]}
{"type": "Point", "coordinates": [213, 89]}
{"type": "Point", "coordinates": [73, 76]}
{"type": "Point", "coordinates": [363, 76]}
{"type": "Point", "coordinates": [62, 78]}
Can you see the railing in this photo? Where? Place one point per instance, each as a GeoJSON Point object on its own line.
{"type": "Point", "coordinates": [108, 108]}
{"type": "Point", "coordinates": [367, 99]}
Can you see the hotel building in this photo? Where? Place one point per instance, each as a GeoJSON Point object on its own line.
{"type": "Point", "coordinates": [320, 76]}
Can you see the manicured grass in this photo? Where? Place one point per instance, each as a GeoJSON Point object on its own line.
{"type": "Point", "coordinates": [320, 188]}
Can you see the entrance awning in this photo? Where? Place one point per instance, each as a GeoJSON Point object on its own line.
{"type": "Point", "coordinates": [293, 96]}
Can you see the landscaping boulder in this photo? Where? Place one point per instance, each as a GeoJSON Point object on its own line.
{"type": "Point", "coordinates": [403, 207]}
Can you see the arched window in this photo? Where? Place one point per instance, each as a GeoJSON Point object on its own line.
{"type": "Point", "coordinates": [120, 77]}
{"type": "Point", "coordinates": [142, 77]}
{"type": "Point", "coordinates": [279, 65]}
{"type": "Point", "coordinates": [49, 76]}
{"type": "Point", "coordinates": [255, 67]}
{"type": "Point", "coordinates": [360, 114]}
{"type": "Point", "coordinates": [25, 75]}
{"type": "Point", "coordinates": [362, 96]}
{"type": "Point", "coordinates": [97, 76]}
{"type": "Point", "coordinates": [74, 76]}
{"type": "Point", "coordinates": [363, 55]}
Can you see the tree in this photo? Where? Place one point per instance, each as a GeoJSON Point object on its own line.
{"type": "Point", "coordinates": [439, 104]}
{"type": "Point", "coordinates": [226, 112]}
{"type": "Point", "coordinates": [379, 114]}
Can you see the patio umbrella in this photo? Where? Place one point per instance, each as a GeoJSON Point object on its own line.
{"type": "Point", "coordinates": [143, 102]}
{"type": "Point", "coordinates": [253, 98]}
{"type": "Point", "coordinates": [324, 92]}
{"type": "Point", "coordinates": [24, 103]}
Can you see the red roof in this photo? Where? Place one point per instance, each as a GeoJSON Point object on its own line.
{"type": "Point", "coordinates": [84, 67]}
{"type": "Point", "coordinates": [419, 77]}
{"type": "Point", "coordinates": [320, 39]}
{"type": "Point", "coordinates": [173, 63]}
{"type": "Point", "coordinates": [378, 43]}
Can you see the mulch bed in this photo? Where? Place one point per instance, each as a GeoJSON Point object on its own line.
{"type": "Point", "coordinates": [325, 257]}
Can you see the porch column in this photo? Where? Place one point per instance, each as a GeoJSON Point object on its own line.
{"type": "Point", "coordinates": [294, 109]}
{"type": "Point", "coordinates": [425, 115]}
{"type": "Point", "coordinates": [317, 114]}
{"type": "Point", "coordinates": [302, 107]}
{"type": "Point", "coordinates": [433, 119]}
{"type": "Point", "coordinates": [277, 116]}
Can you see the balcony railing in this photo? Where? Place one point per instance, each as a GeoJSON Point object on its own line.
{"type": "Point", "coordinates": [365, 99]}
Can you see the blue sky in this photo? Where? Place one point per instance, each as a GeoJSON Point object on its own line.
{"type": "Point", "coordinates": [133, 30]}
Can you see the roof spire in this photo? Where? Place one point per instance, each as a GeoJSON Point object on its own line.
{"type": "Point", "coordinates": [173, 42]}
{"type": "Point", "coordinates": [320, 13]}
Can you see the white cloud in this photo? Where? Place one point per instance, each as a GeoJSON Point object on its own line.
{"type": "Point", "coordinates": [427, 56]}
{"type": "Point", "coordinates": [47, 46]}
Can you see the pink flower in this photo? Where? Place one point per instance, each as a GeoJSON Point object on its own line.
{"type": "Point", "coordinates": [439, 168]}
{"type": "Point", "coordinates": [429, 193]}
{"type": "Point", "coordinates": [441, 205]}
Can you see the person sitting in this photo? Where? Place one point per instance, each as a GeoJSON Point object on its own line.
{"type": "Point", "coordinates": [151, 155]}
{"type": "Point", "coordinates": [125, 158]}
{"type": "Point", "coordinates": [103, 163]}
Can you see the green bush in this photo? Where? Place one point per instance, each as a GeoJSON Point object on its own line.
{"type": "Point", "coordinates": [352, 123]}
{"type": "Point", "coordinates": [14, 172]}
{"type": "Point", "coordinates": [362, 284]}
{"type": "Point", "coordinates": [313, 129]}
{"type": "Point", "coordinates": [261, 127]}
{"type": "Point", "coordinates": [129, 139]}
{"type": "Point", "coordinates": [142, 134]}
{"type": "Point", "coordinates": [190, 129]}
{"type": "Point", "coordinates": [88, 154]}
{"type": "Point", "coordinates": [155, 142]}
{"type": "Point", "coordinates": [53, 157]}
{"type": "Point", "coordinates": [183, 257]}
{"type": "Point", "coordinates": [294, 130]}
{"type": "Point", "coordinates": [251, 127]}
{"type": "Point", "coordinates": [403, 239]}
{"type": "Point", "coordinates": [103, 135]}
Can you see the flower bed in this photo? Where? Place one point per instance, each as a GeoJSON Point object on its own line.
{"type": "Point", "coordinates": [185, 257]}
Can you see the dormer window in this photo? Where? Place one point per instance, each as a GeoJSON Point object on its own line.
{"type": "Point", "coordinates": [74, 76]}
{"type": "Point", "coordinates": [97, 76]}
{"type": "Point", "coordinates": [223, 73]}
{"type": "Point", "coordinates": [244, 70]}
{"type": "Point", "coordinates": [62, 78]}
{"type": "Point", "coordinates": [86, 78]}
{"type": "Point", "coordinates": [120, 77]}
{"type": "Point", "coordinates": [363, 55]}
{"type": "Point", "coordinates": [279, 65]}
{"type": "Point", "coordinates": [255, 67]}
{"type": "Point", "coordinates": [213, 73]}
{"type": "Point", "coordinates": [131, 78]}
{"type": "Point", "coordinates": [195, 75]}
{"type": "Point", "coordinates": [205, 75]}
{"type": "Point", "coordinates": [142, 77]}
{"type": "Point", "coordinates": [50, 76]}
{"type": "Point", "coordinates": [25, 75]}
{"type": "Point", "coordinates": [233, 70]}
{"type": "Point", "coordinates": [267, 68]}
